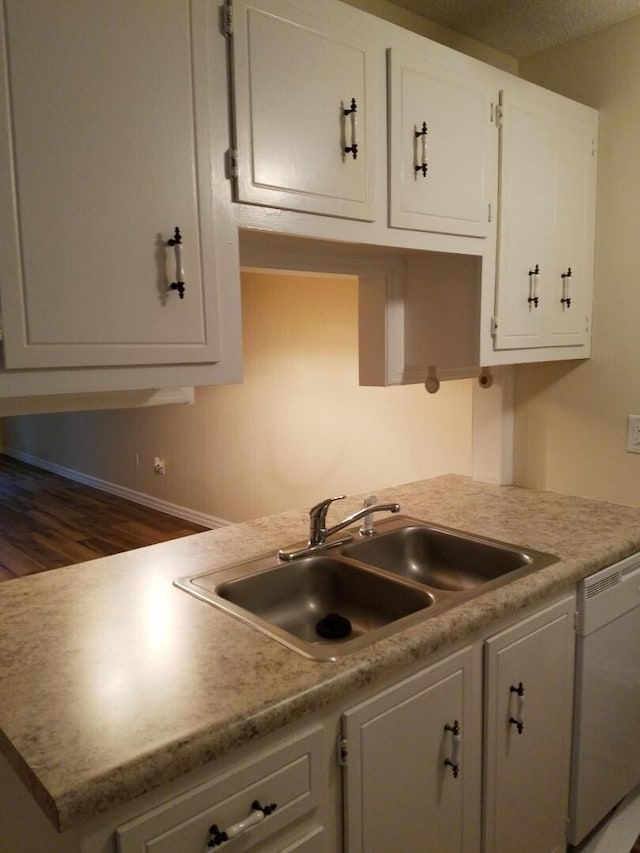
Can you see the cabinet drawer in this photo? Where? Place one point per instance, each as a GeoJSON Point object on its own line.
{"type": "Point", "coordinates": [288, 776]}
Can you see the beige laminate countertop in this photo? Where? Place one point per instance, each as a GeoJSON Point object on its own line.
{"type": "Point", "coordinates": [113, 681]}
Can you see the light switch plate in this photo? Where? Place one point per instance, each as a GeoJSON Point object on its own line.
{"type": "Point", "coordinates": [633, 433]}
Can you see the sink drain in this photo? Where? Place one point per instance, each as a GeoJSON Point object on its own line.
{"type": "Point", "coordinates": [333, 626]}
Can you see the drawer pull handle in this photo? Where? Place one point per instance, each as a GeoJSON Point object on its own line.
{"type": "Point", "coordinates": [422, 135]}
{"type": "Point", "coordinates": [176, 242]}
{"type": "Point", "coordinates": [257, 815]}
{"type": "Point", "coordinates": [454, 761]}
{"type": "Point", "coordinates": [353, 112]}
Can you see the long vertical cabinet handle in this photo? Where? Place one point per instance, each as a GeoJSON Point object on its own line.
{"type": "Point", "coordinates": [422, 136]}
{"type": "Point", "coordinates": [176, 242]}
{"type": "Point", "coordinates": [517, 721]}
{"type": "Point", "coordinates": [533, 299]}
{"type": "Point", "coordinates": [353, 113]}
{"type": "Point", "coordinates": [454, 758]}
{"type": "Point", "coordinates": [566, 299]}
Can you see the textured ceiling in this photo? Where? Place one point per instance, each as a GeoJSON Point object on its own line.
{"type": "Point", "coordinates": [522, 27]}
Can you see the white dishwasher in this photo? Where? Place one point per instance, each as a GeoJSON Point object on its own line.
{"type": "Point", "coordinates": [606, 736]}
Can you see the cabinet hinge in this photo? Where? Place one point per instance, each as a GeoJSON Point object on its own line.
{"type": "Point", "coordinates": [490, 212]}
{"type": "Point", "coordinates": [343, 751]}
{"type": "Point", "coordinates": [497, 114]}
{"type": "Point", "coordinates": [494, 326]}
{"type": "Point", "coordinates": [232, 163]}
{"type": "Point", "coordinates": [227, 19]}
{"type": "Point", "coordinates": [587, 324]}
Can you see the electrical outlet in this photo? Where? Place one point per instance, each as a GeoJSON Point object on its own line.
{"type": "Point", "coordinates": [633, 433]}
{"type": "Point", "coordinates": [158, 465]}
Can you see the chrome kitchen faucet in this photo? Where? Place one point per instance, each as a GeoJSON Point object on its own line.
{"type": "Point", "coordinates": [319, 532]}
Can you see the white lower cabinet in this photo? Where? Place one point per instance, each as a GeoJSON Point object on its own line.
{"type": "Point", "coordinates": [253, 805]}
{"type": "Point", "coordinates": [421, 767]}
{"type": "Point", "coordinates": [469, 754]}
{"type": "Point", "coordinates": [412, 777]}
{"type": "Point", "coordinates": [529, 701]}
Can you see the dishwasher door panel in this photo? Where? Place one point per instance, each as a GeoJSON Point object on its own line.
{"type": "Point", "coordinates": [606, 749]}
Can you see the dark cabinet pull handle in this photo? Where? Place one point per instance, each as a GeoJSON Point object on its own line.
{"type": "Point", "coordinates": [454, 761]}
{"type": "Point", "coordinates": [176, 242]}
{"type": "Point", "coordinates": [518, 690]}
{"type": "Point", "coordinates": [566, 299]}
{"type": "Point", "coordinates": [353, 112]}
{"type": "Point", "coordinates": [533, 299]}
{"type": "Point", "coordinates": [518, 724]}
{"type": "Point", "coordinates": [422, 135]}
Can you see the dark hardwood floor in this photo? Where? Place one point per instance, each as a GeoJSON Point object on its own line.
{"type": "Point", "coordinates": [47, 521]}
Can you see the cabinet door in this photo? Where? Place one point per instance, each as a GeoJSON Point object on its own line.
{"type": "Point", "coordinates": [104, 145]}
{"type": "Point", "coordinates": [526, 166]}
{"type": "Point", "coordinates": [296, 79]}
{"type": "Point", "coordinates": [443, 148]}
{"type": "Point", "coordinates": [547, 217]}
{"type": "Point", "coordinates": [529, 697]}
{"type": "Point", "coordinates": [402, 789]}
{"type": "Point", "coordinates": [571, 270]}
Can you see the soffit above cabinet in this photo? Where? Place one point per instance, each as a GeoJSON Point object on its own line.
{"type": "Point", "coordinates": [526, 27]}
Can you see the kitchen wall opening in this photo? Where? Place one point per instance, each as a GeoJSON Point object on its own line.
{"type": "Point", "coordinates": [299, 427]}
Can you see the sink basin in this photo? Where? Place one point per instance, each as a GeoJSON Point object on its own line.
{"type": "Point", "coordinates": [337, 600]}
{"type": "Point", "coordinates": [317, 604]}
{"type": "Point", "coordinates": [443, 559]}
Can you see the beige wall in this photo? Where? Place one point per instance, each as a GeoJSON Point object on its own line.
{"type": "Point", "coordinates": [298, 429]}
{"type": "Point", "coordinates": [571, 421]}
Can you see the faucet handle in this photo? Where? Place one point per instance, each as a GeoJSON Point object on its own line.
{"type": "Point", "coordinates": [318, 519]}
{"type": "Point", "coordinates": [320, 509]}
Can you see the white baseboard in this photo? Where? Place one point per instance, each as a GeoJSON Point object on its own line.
{"type": "Point", "coordinates": [121, 491]}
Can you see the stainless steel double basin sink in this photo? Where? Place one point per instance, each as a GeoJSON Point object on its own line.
{"type": "Point", "coordinates": [339, 599]}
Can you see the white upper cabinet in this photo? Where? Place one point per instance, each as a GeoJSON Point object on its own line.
{"type": "Point", "coordinates": [443, 148]}
{"type": "Point", "coordinates": [304, 111]}
{"type": "Point", "coordinates": [547, 215]}
{"type": "Point", "coordinates": [105, 145]}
